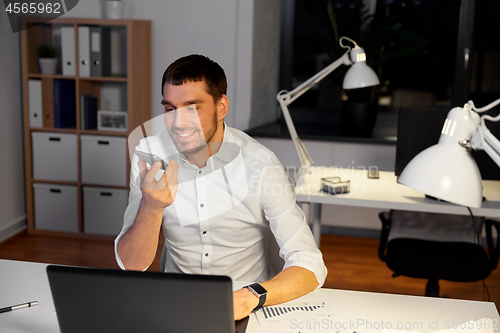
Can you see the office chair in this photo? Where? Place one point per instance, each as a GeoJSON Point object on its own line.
{"type": "Point", "coordinates": [437, 247]}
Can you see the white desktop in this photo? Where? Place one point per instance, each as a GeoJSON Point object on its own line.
{"type": "Point", "coordinates": [384, 193]}
{"type": "Point", "coordinates": [355, 311]}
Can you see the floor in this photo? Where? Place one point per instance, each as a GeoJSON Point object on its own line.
{"type": "Point", "coordinates": [352, 264]}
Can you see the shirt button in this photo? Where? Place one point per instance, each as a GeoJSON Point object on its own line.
{"type": "Point", "coordinates": [206, 254]}
{"type": "Point", "coordinates": [199, 172]}
{"type": "Point", "coordinates": [201, 205]}
{"type": "Point", "coordinates": [204, 232]}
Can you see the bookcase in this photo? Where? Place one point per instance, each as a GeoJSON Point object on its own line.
{"type": "Point", "coordinates": [76, 174]}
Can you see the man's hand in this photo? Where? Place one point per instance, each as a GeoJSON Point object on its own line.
{"type": "Point", "coordinates": [137, 247]}
{"type": "Point", "coordinates": [158, 195]}
{"type": "Point", "coordinates": [244, 302]}
{"type": "Point", "coordinates": [290, 283]}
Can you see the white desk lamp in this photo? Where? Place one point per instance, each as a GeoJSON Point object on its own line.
{"type": "Point", "coordinates": [447, 170]}
{"type": "Point", "coordinates": [358, 76]}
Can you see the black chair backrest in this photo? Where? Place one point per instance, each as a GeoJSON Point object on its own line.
{"type": "Point", "coordinates": [435, 226]}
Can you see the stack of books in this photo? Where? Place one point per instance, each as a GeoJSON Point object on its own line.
{"type": "Point", "coordinates": [88, 112]}
{"type": "Point", "coordinates": [64, 104]}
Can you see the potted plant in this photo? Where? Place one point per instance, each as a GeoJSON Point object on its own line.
{"type": "Point", "coordinates": [47, 58]}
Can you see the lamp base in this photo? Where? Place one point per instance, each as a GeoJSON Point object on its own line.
{"type": "Point", "coordinates": [437, 199]}
{"type": "Point", "coordinates": [434, 198]}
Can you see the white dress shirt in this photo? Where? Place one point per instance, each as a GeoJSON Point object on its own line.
{"type": "Point", "coordinates": [220, 219]}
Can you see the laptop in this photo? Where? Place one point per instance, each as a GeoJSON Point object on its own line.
{"type": "Point", "coordinates": [106, 300]}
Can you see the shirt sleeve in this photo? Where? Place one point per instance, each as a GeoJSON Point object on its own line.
{"type": "Point", "coordinates": [287, 221]}
{"type": "Point", "coordinates": [134, 201]}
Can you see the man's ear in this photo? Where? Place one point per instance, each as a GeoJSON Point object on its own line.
{"type": "Point", "coordinates": [222, 107]}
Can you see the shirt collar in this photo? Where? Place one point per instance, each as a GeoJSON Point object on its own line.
{"type": "Point", "coordinates": [226, 150]}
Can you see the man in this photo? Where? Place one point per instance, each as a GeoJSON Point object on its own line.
{"type": "Point", "coordinates": [218, 198]}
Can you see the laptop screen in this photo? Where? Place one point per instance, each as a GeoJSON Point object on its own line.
{"type": "Point", "coordinates": [103, 300]}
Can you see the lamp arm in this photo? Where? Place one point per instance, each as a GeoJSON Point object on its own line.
{"type": "Point", "coordinates": [482, 138]}
{"type": "Point", "coordinates": [285, 98]}
{"type": "Point", "coordinates": [304, 157]}
{"type": "Point", "coordinates": [492, 147]}
{"type": "Point", "coordinates": [487, 107]}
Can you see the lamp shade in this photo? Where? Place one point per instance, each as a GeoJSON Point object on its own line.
{"type": "Point", "coordinates": [359, 75]}
{"type": "Point", "coordinates": [447, 170]}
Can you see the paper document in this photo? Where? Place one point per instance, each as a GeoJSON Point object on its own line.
{"type": "Point", "coordinates": [298, 316]}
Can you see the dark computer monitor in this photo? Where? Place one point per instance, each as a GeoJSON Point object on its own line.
{"type": "Point", "coordinates": [420, 128]}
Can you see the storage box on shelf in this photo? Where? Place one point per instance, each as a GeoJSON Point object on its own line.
{"type": "Point", "coordinates": [103, 210]}
{"type": "Point", "coordinates": [104, 160]}
{"type": "Point", "coordinates": [103, 65]}
{"type": "Point", "coordinates": [54, 156]}
{"type": "Point", "coordinates": [56, 207]}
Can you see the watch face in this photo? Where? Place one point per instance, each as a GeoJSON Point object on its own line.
{"type": "Point", "coordinates": [260, 292]}
{"type": "Point", "coordinates": [258, 289]}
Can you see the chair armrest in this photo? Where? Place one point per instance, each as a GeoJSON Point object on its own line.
{"type": "Point", "coordinates": [385, 218]}
{"type": "Point", "coordinates": [493, 249]}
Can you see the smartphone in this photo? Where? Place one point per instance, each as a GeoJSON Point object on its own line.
{"type": "Point", "coordinates": [151, 159]}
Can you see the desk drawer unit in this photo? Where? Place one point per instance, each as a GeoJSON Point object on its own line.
{"type": "Point", "coordinates": [104, 160]}
{"type": "Point", "coordinates": [103, 210]}
{"type": "Point", "coordinates": [54, 156]}
{"type": "Point", "coordinates": [56, 207]}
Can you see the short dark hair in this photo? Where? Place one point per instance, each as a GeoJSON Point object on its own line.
{"type": "Point", "coordinates": [194, 68]}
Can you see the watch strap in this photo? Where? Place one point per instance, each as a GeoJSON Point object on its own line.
{"type": "Point", "coordinates": [259, 292]}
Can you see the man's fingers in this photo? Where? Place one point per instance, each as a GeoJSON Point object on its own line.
{"type": "Point", "coordinates": [171, 173]}
{"type": "Point", "coordinates": [143, 169]}
{"type": "Point", "coordinates": [159, 193]}
{"type": "Point", "coordinates": [150, 176]}
{"type": "Point", "coordinates": [161, 184]}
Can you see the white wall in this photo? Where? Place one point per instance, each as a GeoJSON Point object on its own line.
{"type": "Point", "coordinates": [12, 203]}
{"type": "Point", "coordinates": [265, 64]}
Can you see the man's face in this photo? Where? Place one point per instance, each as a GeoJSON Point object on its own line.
{"type": "Point", "coordinates": [190, 115]}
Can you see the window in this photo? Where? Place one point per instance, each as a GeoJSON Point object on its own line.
{"type": "Point", "coordinates": [426, 53]}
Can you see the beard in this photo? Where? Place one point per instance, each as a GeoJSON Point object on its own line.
{"type": "Point", "coordinates": [197, 144]}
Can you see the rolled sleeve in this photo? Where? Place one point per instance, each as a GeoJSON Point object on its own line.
{"type": "Point", "coordinates": [287, 222]}
{"type": "Point", "coordinates": [134, 201]}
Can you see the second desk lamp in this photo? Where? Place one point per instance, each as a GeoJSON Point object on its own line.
{"type": "Point", "coordinates": [359, 75]}
{"type": "Point", "coordinates": [447, 170]}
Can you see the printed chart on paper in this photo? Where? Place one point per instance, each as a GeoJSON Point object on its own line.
{"type": "Point", "coordinates": [314, 316]}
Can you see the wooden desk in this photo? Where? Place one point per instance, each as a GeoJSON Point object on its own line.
{"type": "Point", "coordinates": [384, 193]}
{"type": "Point", "coordinates": [25, 281]}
